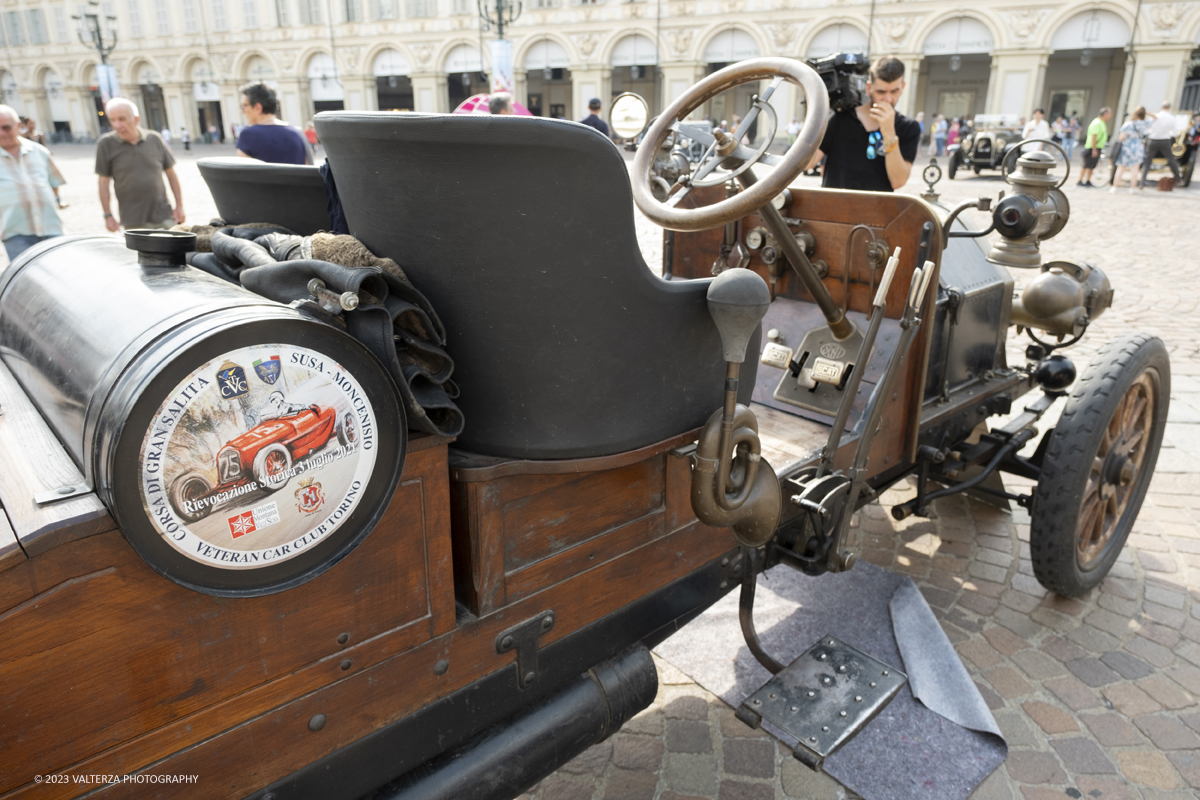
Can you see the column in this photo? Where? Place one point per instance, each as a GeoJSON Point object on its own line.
{"type": "Point", "coordinates": [678, 77]}
{"type": "Point", "coordinates": [1019, 79]}
{"type": "Point", "coordinates": [1159, 74]}
{"type": "Point", "coordinates": [520, 86]}
{"type": "Point", "coordinates": [429, 93]}
{"type": "Point", "coordinates": [910, 101]}
{"type": "Point", "coordinates": [291, 97]}
{"type": "Point", "coordinates": [586, 83]}
{"type": "Point", "coordinates": [360, 93]}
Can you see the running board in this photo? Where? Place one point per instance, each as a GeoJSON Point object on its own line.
{"type": "Point", "coordinates": [823, 698]}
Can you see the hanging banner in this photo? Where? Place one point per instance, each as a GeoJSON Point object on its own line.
{"type": "Point", "coordinates": [502, 66]}
{"type": "Point", "coordinates": [106, 81]}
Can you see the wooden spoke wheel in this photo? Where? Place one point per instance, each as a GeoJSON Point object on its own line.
{"type": "Point", "coordinates": [1098, 464]}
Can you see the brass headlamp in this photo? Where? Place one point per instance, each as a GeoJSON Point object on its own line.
{"type": "Point", "coordinates": [1036, 210]}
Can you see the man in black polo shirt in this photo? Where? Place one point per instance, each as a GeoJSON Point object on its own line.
{"type": "Point", "coordinates": [871, 147]}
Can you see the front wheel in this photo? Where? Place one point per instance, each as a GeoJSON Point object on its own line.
{"type": "Point", "coordinates": [1098, 464]}
{"type": "Point", "coordinates": [952, 166]}
{"type": "Point", "coordinates": [1102, 175]}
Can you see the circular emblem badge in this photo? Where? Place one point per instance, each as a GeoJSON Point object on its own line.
{"type": "Point", "coordinates": [257, 456]}
{"type": "Point", "coordinates": [833, 350]}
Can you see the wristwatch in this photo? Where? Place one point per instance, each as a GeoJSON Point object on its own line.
{"type": "Point", "coordinates": [107, 216]}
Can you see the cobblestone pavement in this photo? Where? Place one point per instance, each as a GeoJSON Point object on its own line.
{"type": "Point", "coordinates": [1096, 696]}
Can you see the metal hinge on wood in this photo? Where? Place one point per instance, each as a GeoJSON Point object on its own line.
{"type": "Point", "coordinates": [61, 493]}
{"type": "Point", "coordinates": [524, 639]}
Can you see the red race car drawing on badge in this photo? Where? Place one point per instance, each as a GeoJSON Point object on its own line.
{"type": "Point", "coordinates": [261, 458]}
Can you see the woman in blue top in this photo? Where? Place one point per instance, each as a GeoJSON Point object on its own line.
{"type": "Point", "coordinates": [1132, 148]}
{"type": "Point", "coordinates": [266, 138]}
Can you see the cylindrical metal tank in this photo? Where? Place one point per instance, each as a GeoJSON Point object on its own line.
{"type": "Point", "coordinates": [242, 447]}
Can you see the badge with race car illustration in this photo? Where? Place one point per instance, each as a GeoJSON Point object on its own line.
{"type": "Point", "coordinates": [258, 456]}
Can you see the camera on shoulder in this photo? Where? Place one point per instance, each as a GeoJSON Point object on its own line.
{"type": "Point", "coordinates": [845, 77]}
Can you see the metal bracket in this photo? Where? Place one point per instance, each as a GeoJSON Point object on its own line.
{"type": "Point", "coordinates": [524, 639]}
{"type": "Point", "coordinates": [61, 493]}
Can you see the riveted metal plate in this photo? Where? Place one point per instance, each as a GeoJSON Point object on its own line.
{"type": "Point", "coordinates": [824, 697]}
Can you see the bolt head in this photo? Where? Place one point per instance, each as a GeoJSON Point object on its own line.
{"type": "Point", "coordinates": [316, 723]}
{"type": "Point", "coordinates": [811, 693]}
{"type": "Point", "coordinates": [547, 623]}
{"type": "Point", "coordinates": [530, 677]}
{"type": "Point", "coordinates": [506, 642]}
{"type": "Point", "coordinates": [858, 698]}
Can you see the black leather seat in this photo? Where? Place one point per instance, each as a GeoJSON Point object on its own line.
{"type": "Point", "coordinates": [249, 190]}
{"type": "Point", "coordinates": [520, 231]}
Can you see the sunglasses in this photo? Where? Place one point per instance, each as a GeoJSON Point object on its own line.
{"type": "Point", "coordinates": [874, 140]}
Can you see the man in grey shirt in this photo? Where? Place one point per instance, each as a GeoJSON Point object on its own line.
{"type": "Point", "coordinates": [136, 161]}
{"type": "Point", "coordinates": [1162, 135]}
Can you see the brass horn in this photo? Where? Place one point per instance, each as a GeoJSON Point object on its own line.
{"type": "Point", "coordinates": [732, 485]}
{"type": "Point", "coordinates": [1178, 148]}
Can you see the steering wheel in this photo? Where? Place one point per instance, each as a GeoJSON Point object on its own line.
{"type": "Point", "coordinates": [725, 157]}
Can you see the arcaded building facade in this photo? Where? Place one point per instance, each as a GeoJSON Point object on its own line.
{"type": "Point", "coordinates": [182, 60]}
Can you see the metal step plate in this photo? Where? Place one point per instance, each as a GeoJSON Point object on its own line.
{"type": "Point", "coordinates": [824, 698]}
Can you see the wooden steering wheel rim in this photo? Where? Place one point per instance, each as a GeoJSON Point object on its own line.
{"type": "Point", "coordinates": [754, 198]}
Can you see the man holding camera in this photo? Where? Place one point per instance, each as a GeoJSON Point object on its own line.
{"type": "Point", "coordinates": [871, 147]}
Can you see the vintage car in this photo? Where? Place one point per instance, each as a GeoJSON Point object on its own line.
{"type": "Point", "coordinates": [261, 455]}
{"type": "Point", "coordinates": [458, 618]}
{"type": "Point", "coordinates": [985, 145]}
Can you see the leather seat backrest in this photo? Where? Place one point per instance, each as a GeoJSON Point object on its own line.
{"type": "Point", "coordinates": [521, 232]}
{"type": "Point", "coordinates": [249, 190]}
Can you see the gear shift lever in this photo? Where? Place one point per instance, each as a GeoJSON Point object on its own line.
{"type": "Point", "coordinates": [729, 492]}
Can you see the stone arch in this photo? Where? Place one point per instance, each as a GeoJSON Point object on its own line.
{"type": "Point", "coordinates": [244, 61]}
{"type": "Point", "coordinates": [438, 59]}
{"type": "Point", "coordinates": [711, 37]}
{"type": "Point", "coordinates": [995, 28]}
{"type": "Point", "coordinates": [1059, 18]}
{"type": "Point", "coordinates": [141, 63]}
{"type": "Point", "coordinates": [305, 62]}
{"type": "Point", "coordinates": [368, 62]}
{"type": "Point", "coordinates": [522, 52]}
{"type": "Point", "coordinates": [815, 32]}
{"type": "Point", "coordinates": [610, 45]}
{"type": "Point", "coordinates": [187, 64]}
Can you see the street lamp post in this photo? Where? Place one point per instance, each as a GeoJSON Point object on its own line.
{"type": "Point", "coordinates": [504, 12]}
{"type": "Point", "coordinates": [92, 35]}
{"type": "Point", "coordinates": [497, 14]}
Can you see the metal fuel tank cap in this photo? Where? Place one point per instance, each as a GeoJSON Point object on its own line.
{"type": "Point", "coordinates": [160, 248]}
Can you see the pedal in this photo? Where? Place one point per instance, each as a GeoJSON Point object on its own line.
{"type": "Point", "coordinates": [824, 698]}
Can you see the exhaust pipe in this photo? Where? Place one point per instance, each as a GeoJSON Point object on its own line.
{"type": "Point", "coordinates": [515, 754]}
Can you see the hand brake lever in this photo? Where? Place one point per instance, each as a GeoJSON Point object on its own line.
{"type": "Point", "coordinates": [864, 355]}
{"type": "Point", "coordinates": [836, 559]}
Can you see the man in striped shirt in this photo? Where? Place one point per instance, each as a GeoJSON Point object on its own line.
{"type": "Point", "coordinates": [28, 178]}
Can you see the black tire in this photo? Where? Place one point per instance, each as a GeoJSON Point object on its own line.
{"type": "Point", "coordinates": [978, 170]}
{"type": "Point", "coordinates": [272, 460]}
{"type": "Point", "coordinates": [1070, 495]}
{"type": "Point", "coordinates": [952, 166]}
{"type": "Point", "coordinates": [346, 429]}
{"type": "Point", "coordinates": [192, 486]}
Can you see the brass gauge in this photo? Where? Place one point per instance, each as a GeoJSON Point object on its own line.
{"type": "Point", "coordinates": [756, 238]}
